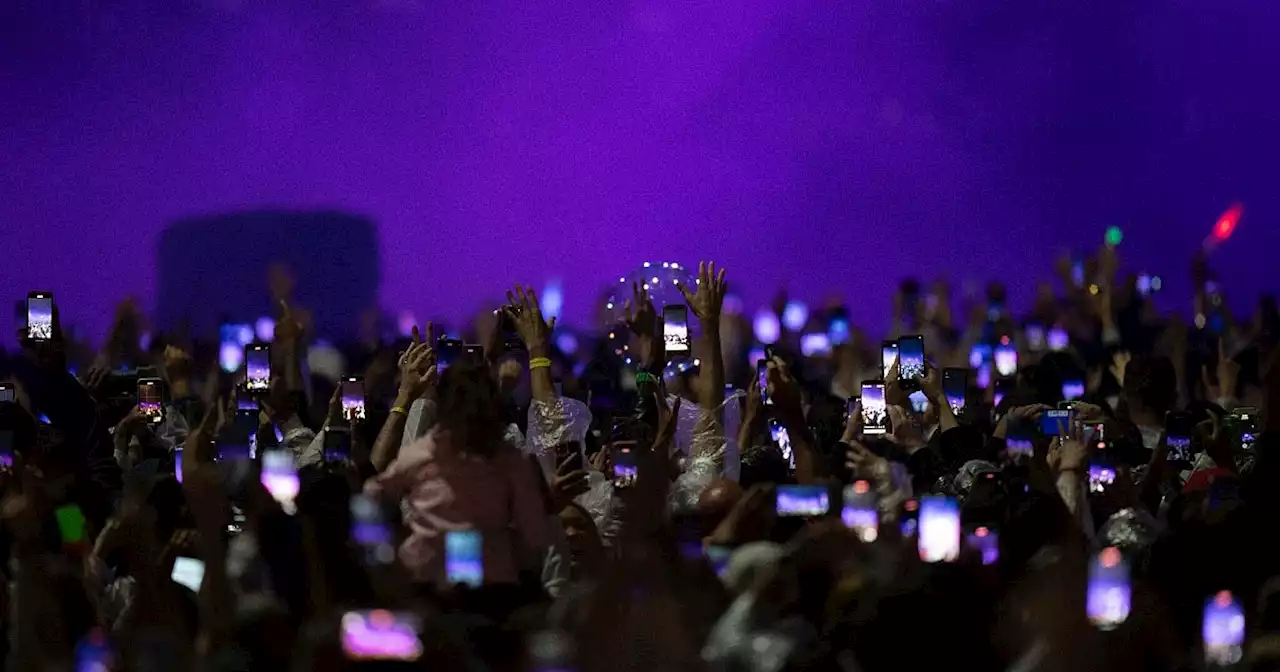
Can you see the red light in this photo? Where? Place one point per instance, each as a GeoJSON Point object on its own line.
{"type": "Point", "coordinates": [381, 618]}
{"type": "Point", "coordinates": [1226, 224]}
{"type": "Point", "coordinates": [1110, 556]}
{"type": "Point", "coordinates": [1004, 340]}
{"type": "Point", "coordinates": [982, 532]}
{"type": "Point", "coordinates": [861, 487]}
{"type": "Point", "coordinates": [1223, 598]}
{"type": "Point", "coordinates": [911, 505]}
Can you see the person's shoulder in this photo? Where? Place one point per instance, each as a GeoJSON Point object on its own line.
{"type": "Point", "coordinates": [427, 447]}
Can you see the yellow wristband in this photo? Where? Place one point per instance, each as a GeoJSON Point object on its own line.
{"type": "Point", "coordinates": [400, 410]}
{"type": "Point", "coordinates": [539, 363]}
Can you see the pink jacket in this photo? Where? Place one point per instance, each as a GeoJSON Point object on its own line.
{"type": "Point", "coordinates": [444, 489]}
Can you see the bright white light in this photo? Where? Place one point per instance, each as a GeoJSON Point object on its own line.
{"type": "Point", "coordinates": [552, 300]}
{"type": "Point", "coordinates": [766, 327]}
{"type": "Point", "coordinates": [265, 328]}
{"type": "Point", "coordinates": [646, 264]}
{"type": "Point", "coordinates": [795, 315]}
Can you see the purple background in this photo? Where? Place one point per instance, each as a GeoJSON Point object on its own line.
{"type": "Point", "coordinates": [830, 145]}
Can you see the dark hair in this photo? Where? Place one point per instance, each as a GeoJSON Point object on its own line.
{"type": "Point", "coordinates": [1152, 382]}
{"type": "Point", "coordinates": [471, 408]}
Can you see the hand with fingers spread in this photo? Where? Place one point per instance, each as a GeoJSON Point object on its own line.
{"type": "Point", "coordinates": [708, 299]}
{"type": "Point", "coordinates": [569, 482]}
{"type": "Point", "coordinates": [526, 314]}
{"type": "Point", "coordinates": [641, 318]}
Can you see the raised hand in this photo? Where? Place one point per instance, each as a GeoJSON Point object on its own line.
{"type": "Point", "coordinates": [417, 365]}
{"type": "Point", "coordinates": [641, 318]}
{"type": "Point", "coordinates": [1068, 451]}
{"type": "Point", "coordinates": [526, 313]}
{"type": "Point", "coordinates": [931, 385]}
{"type": "Point", "coordinates": [709, 297]}
{"type": "Point", "coordinates": [1118, 361]}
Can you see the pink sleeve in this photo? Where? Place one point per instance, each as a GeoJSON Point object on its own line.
{"type": "Point", "coordinates": [402, 473]}
{"type": "Point", "coordinates": [530, 514]}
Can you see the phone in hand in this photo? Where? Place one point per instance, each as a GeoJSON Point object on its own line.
{"type": "Point", "coordinates": [803, 500]}
{"type": "Point", "coordinates": [762, 373]}
{"type": "Point", "coordinates": [464, 557]}
{"type": "Point", "coordinates": [280, 478]}
{"type": "Point", "coordinates": [1006, 357]}
{"type": "Point", "coordinates": [675, 329]}
{"type": "Point", "coordinates": [1102, 475]}
{"type": "Point", "coordinates": [1056, 422]}
{"type": "Point", "coordinates": [1109, 593]}
{"type": "Point", "coordinates": [380, 634]}
{"type": "Point", "coordinates": [257, 357]}
{"type": "Point", "coordinates": [910, 361]}
{"type": "Point", "coordinates": [353, 398]}
{"type": "Point", "coordinates": [875, 412]}
{"type": "Point", "coordinates": [188, 572]}
{"type": "Point", "coordinates": [1178, 427]}
{"type": "Point", "coordinates": [1222, 630]}
{"type": "Point", "coordinates": [939, 529]}
{"type": "Point", "coordinates": [1243, 424]}
{"type": "Point", "coordinates": [7, 394]}
{"type": "Point", "coordinates": [448, 352]}
{"type": "Point", "coordinates": [370, 531]}
{"type": "Point", "coordinates": [888, 355]}
{"type": "Point", "coordinates": [860, 511]}
{"type": "Point", "coordinates": [955, 388]}
{"type": "Point", "coordinates": [40, 317]}
{"type": "Point", "coordinates": [783, 440]}
{"type": "Point", "coordinates": [625, 467]}
{"type": "Point", "coordinates": [151, 400]}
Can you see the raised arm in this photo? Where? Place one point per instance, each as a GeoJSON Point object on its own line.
{"type": "Point", "coordinates": [706, 302]}
{"type": "Point", "coordinates": [524, 310]}
{"type": "Point", "coordinates": [417, 376]}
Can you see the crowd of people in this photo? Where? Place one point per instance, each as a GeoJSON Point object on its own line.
{"type": "Point", "coordinates": [1094, 500]}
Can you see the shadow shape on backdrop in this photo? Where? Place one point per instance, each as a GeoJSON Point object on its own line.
{"type": "Point", "coordinates": [214, 268]}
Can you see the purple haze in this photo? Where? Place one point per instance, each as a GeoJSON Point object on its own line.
{"type": "Point", "coordinates": [831, 146]}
